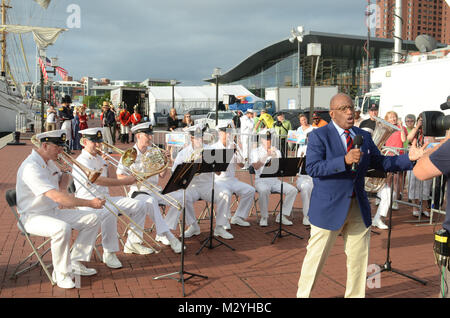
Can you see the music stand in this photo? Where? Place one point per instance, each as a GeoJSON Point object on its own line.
{"type": "Point", "coordinates": [282, 167]}
{"type": "Point", "coordinates": [180, 179]}
{"type": "Point", "coordinates": [217, 160]}
{"type": "Point", "coordinates": [387, 265]}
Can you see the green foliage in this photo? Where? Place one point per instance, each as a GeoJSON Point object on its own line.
{"type": "Point", "coordinates": [93, 102]}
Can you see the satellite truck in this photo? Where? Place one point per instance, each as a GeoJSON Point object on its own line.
{"type": "Point", "coordinates": [420, 84]}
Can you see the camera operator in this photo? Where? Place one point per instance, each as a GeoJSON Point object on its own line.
{"type": "Point", "coordinates": [434, 163]}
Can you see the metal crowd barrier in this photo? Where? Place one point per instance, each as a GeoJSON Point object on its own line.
{"type": "Point", "coordinates": [21, 123]}
{"type": "Point", "coordinates": [37, 124]}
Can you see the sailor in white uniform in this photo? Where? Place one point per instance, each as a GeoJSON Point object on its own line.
{"type": "Point", "coordinates": [40, 202]}
{"type": "Point", "coordinates": [135, 209]}
{"type": "Point", "coordinates": [201, 188]}
{"type": "Point", "coordinates": [247, 124]}
{"type": "Point", "coordinates": [259, 157]}
{"type": "Point", "coordinates": [143, 146]}
{"type": "Point", "coordinates": [228, 181]}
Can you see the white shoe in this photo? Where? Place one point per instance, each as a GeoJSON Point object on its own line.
{"type": "Point", "coordinates": [395, 206]}
{"type": "Point", "coordinates": [136, 248]}
{"type": "Point", "coordinates": [175, 244]}
{"type": "Point", "coordinates": [63, 280]}
{"type": "Point", "coordinates": [426, 213]}
{"type": "Point", "coordinates": [162, 239]}
{"type": "Point", "coordinates": [220, 231]}
{"type": "Point", "coordinates": [239, 221]}
{"type": "Point", "coordinates": [194, 229]}
{"type": "Point", "coordinates": [379, 224]}
{"type": "Point", "coordinates": [82, 270]}
{"type": "Point", "coordinates": [227, 226]}
{"type": "Point", "coordinates": [263, 221]}
{"type": "Point", "coordinates": [416, 213]}
{"type": "Point", "coordinates": [377, 201]}
{"type": "Point", "coordinates": [306, 221]}
{"type": "Point", "coordinates": [284, 220]}
{"type": "Point", "coordinates": [111, 260]}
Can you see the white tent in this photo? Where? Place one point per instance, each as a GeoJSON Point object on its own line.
{"type": "Point", "coordinates": [188, 97]}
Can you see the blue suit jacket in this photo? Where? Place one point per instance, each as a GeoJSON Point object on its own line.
{"type": "Point", "coordinates": [334, 181]}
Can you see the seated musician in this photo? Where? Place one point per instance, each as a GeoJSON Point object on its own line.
{"type": "Point", "coordinates": [259, 157]}
{"type": "Point", "coordinates": [139, 191]}
{"type": "Point", "coordinates": [47, 211]}
{"type": "Point", "coordinates": [135, 209]}
{"type": "Point", "coordinates": [228, 181]}
{"type": "Point", "coordinates": [200, 188]}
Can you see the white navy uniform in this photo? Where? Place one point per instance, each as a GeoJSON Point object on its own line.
{"type": "Point", "coordinates": [147, 196]}
{"type": "Point", "coordinates": [41, 216]}
{"type": "Point", "coordinates": [200, 188]}
{"type": "Point", "coordinates": [135, 209]}
{"type": "Point", "coordinates": [246, 132]}
{"type": "Point", "coordinates": [304, 182]}
{"type": "Point", "coordinates": [265, 186]}
{"type": "Point", "coordinates": [227, 180]}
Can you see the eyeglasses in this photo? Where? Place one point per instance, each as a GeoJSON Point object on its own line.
{"type": "Point", "coordinates": [409, 121]}
{"type": "Point", "coordinates": [344, 108]}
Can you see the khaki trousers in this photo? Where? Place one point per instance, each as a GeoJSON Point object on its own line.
{"type": "Point", "coordinates": [356, 243]}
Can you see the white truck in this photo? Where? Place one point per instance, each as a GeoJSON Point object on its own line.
{"type": "Point", "coordinates": [225, 117]}
{"type": "Point", "coordinates": [287, 97]}
{"type": "Point", "coordinates": [409, 88]}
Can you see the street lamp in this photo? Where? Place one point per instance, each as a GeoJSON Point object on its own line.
{"type": "Point", "coordinates": [173, 83]}
{"type": "Point", "coordinates": [297, 34]}
{"type": "Point", "coordinates": [216, 74]}
{"type": "Point", "coordinates": [313, 50]}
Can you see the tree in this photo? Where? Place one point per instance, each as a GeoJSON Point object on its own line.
{"type": "Point", "coordinates": [94, 102]}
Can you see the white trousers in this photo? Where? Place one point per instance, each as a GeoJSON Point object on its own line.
{"type": "Point", "coordinates": [67, 125]}
{"type": "Point", "coordinates": [154, 213]}
{"type": "Point", "coordinates": [385, 201]}
{"type": "Point", "coordinates": [124, 129]}
{"type": "Point", "coordinates": [58, 224]}
{"type": "Point", "coordinates": [305, 186]}
{"type": "Point", "coordinates": [245, 141]}
{"type": "Point", "coordinates": [204, 192]}
{"type": "Point", "coordinates": [173, 215]}
{"type": "Point", "coordinates": [244, 191]}
{"type": "Point", "coordinates": [266, 186]}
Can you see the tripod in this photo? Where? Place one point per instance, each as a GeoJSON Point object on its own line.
{"type": "Point", "coordinates": [214, 168]}
{"type": "Point", "coordinates": [287, 167]}
{"type": "Point", "coordinates": [184, 178]}
{"type": "Point", "coordinates": [387, 265]}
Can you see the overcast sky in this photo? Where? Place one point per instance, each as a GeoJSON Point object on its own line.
{"type": "Point", "coordinates": [178, 39]}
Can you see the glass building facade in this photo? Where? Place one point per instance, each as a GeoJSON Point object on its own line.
{"type": "Point", "coordinates": [342, 63]}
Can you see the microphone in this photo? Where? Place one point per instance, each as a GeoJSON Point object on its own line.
{"type": "Point", "coordinates": [357, 141]}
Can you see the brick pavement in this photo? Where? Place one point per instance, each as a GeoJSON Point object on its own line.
{"type": "Point", "coordinates": [256, 269]}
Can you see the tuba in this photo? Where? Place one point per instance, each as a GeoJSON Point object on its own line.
{"type": "Point", "coordinates": [383, 130]}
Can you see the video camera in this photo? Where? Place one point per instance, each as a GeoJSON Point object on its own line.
{"type": "Point", "coordinates": [435, 123]}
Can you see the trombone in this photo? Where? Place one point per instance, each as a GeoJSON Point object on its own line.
{"type": "Point", "coordinates": [93, 175]}
{"type": "Point", "coordinates": [128, 157]}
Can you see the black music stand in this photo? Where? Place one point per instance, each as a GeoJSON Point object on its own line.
{"type": "Point", "coordinates": [214, 160]}
{"type": "Point", "coordinates": [282, 167]}
{"type": "Point", "coordinates": [387, 265]}
{"type": "Point", "coordinates": [180, 179]}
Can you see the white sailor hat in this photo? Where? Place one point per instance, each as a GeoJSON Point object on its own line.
{"type": "Point", "coordinates": [249, 110]}
{"type": "Point", "coordinates": [224, 126]}
{"type": "Point", "coordinates": [266, 133]}
{"type": "Point", "coordinates": [144, 127]}
{"type": "Point", "coordinates": [197, 130]}
{"type": "Point", "coordinates": [57, 137]}
{"type": "Point", "coordinates": [93, 134]}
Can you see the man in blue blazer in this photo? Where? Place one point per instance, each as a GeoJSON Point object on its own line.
{"type": "Point", "coordinates": [339, 203]}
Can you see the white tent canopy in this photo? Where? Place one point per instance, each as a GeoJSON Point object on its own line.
{"type": "Point", "coordinates": [188, 97]}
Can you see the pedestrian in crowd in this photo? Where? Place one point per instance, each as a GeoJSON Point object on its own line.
{"type": "Point", "coordinates": [358, 118]}
{"type": "Point", "coordinates": [135, 120]}
{"type": "Point", "coordinates": [370, 123]}
{"type": "Point", "coordinates": [125, 121]}
{"type": "Point", "coordinates": [116, 126]}
{"type": "Point", "coordinates": [246, 134]}
{"type": "Point", "coordinates": [65, 114]}
{"type": "Point", "coordinates": [108, 122]}
{"type": "Point", "coordinates": [237, 119]}
{"type": "Point", "coordinates": [339, 203]}
{"type": "Point", "coordinates": [414, 184]}
{"type": "Point", "coordinates": [282, 126]}
{"type": "Point", "coordinates": [187, 121]}
{"type": "Point", "coordinates": [50, 122]}
{"type": "Point", "coordinates": [317, 121]}
{"type": "Point", "coordinates": [76, 128]}
{"type": "Point", "coordinates": [172, 120]}
{"type": "Point", "coordinates": [304, 182]}
{"type": "Point", "coordinates": [264, 121]}
{"type": "Point", "coordinates": [83, 117]}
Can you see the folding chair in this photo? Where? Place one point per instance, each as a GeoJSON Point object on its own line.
{"type": "Point", "coordinates": [11, 199]}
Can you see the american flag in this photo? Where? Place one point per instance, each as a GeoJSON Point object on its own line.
{"type": "Point", "coordinates": [44, 72]}
{"type": "Point", "coordinates": [47, 61]}
{"type": "Point", "coordinates": [62, 72]}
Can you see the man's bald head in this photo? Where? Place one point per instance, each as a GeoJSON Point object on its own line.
{"type": "Point", "coordinates": [340, 99]}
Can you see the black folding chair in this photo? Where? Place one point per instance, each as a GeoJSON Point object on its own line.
{"type": "Point", "coordinates": [11, 199]}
